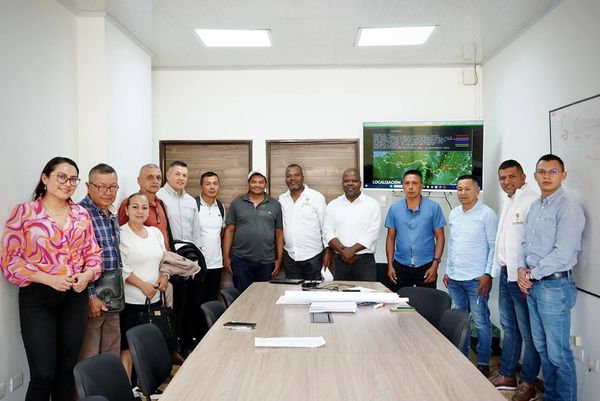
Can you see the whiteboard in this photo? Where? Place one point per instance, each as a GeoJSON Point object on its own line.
{"type": "Point", "coordinates": [575, 138]}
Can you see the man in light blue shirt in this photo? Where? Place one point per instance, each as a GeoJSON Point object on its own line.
{"type": "Point", "coordinates": [415, 236]}
{"type": "Point", "coordinates": [552, 243]}
{"type": "Point", "coordinates": [473, 228]}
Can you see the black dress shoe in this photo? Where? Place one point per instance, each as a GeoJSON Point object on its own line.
{"type": "Point", "coordinates": [484, 369]}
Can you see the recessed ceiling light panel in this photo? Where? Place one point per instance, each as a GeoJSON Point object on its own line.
{"type": "Point", "coordinates": [400, 36]}
{"type": "Point", "coordinates": [234, 37]}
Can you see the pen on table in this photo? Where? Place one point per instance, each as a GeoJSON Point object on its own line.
{"type": "Point", "coordinates": [379, 305]}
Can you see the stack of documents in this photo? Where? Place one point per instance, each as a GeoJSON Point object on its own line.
{"type": "Point", "coordinates": [318, 307]}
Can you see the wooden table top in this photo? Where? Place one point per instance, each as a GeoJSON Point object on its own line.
{"type": "Point", "coordinates": [374, 354]}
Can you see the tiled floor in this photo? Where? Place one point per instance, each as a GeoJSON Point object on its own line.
{"type": "Point", "coordinates": [494, 364]}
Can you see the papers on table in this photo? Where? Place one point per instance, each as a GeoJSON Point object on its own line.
{"type": "Point", "coordinates": [306, 297]}
{"type": "Point", "coordinates": [290, 342]}
{"type": "Point", "coordinates": [318, 307]}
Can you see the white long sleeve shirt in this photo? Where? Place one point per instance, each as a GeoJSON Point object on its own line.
{"type": "Point", "coordinates": [182, 211]}
{"type": "Point", "coordinates": [353, 222]}
{"type": "Point", "coordinates": [511, 231]}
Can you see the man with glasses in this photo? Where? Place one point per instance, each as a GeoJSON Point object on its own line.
{"type": "Point", "coordinates": [549, 252]}
{"type": "Point", "coordinates": [102, 332]}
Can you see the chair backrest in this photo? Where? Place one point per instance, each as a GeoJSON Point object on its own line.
{"type": "Point", "coordinates": [454, 325]}
{"type": "Point", "coordinates": [102, 375]}
{"type": "Point", "coordinates": [151, 358]}
{"type": "Point", "coordinates": [429, 302]}
{"type": "Point", "coordinates": [212, 311]}
{"type": "Point", "coordinates": [229, 295]}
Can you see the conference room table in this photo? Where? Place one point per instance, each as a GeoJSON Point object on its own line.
{"type": "Point", "coordinates": [373, 354]}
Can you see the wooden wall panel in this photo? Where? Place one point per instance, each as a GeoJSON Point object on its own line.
{"type": "Point", "coordinates": [231, 160]}
{"type": "Point", "coordinates": [323, 162]}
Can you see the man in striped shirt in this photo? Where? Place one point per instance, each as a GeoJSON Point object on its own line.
{"type": "Point", "coordinates": [102, 332]}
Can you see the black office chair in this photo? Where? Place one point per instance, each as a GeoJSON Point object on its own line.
{"type": "Point", "coordinates": [151, 358]}
{"type": "Point", "coordinates": [229, 295]}
{"type": "Point", "coordinates": [212, 311]}
{"type": "Point", "coordinates": [94, 398]}
{"type": "Point", "coordinates": [429, 302]}
{"type": "Point", "coordinates": [102, 375]}
{"type": "Point", "coordinates": [454, 325]}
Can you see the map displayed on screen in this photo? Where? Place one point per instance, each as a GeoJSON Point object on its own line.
{"type": "Point", "coordinates": [442, 152]}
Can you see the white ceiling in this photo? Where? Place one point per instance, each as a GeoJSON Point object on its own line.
{"type": "Point", "coordinates": [318, 33]}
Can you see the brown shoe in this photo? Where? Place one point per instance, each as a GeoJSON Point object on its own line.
{"type": "Point", "coordinates": [503, 382]}
{"type": "Point", "coordinates": [525, 392]}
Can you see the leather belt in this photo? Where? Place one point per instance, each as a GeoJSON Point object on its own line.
{"type": "Point", "coordinates": [556, 275]}
{"type": "Point", "coordinates": [503, 268]}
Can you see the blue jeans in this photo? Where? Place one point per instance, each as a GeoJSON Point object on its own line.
{"type": "Point", "coordinates": [514, 319]}
{"type": "Point", "coordinates": [550, 303]}
{"type": "Point", "coordinates": [246, 272]}
{"type": "Point", "coordinates": [464, 296]}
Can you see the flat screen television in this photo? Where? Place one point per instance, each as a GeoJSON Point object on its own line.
{"type": "Point", "coordinates": [442, 151]}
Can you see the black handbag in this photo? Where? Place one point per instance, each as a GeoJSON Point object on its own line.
{"type": "Point", "coordinates": [109, 289]}
{"type": "Point", "coordinates": [162, 317]}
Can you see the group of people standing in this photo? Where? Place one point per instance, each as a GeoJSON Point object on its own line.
{"type": "Point", "coordinates": [532, 247]}
{"type": "Point", "coordinates": [55, 249]}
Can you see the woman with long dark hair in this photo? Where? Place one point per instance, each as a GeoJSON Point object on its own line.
{"type": "Point", "coordinates": [49, 250]}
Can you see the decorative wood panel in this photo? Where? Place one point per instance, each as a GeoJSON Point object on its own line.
{"type": "Point", "coordinates": [231, 161]}
{"type": "Point", "coordinates": [323, 162]}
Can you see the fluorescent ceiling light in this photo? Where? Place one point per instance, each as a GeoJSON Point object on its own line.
{"type": "Point", "coordinates": [234, 37]}
{"type": "Point", "coordinates": [410, 35]}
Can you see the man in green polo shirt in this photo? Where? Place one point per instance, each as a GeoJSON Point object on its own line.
{"type": "Point", "coordinates": [253, 241]}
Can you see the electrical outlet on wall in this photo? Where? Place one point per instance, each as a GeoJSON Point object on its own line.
{"type": "Point", "coordinates": [576, 341]}
{"type": "Point", "coordinates": [578, 354]}
{"type": "Point", "coordinates": [593, 365]}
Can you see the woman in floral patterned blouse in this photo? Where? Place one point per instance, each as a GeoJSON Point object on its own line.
{"type": "Point", "coordinates": [50, 252]}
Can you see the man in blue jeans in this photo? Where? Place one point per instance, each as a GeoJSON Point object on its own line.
{"type": "Point", "coordinates": [514, 314]}
{"type": "Point", "coordinates": [552, 243]}
{"type": "Point", "coordinates": [470, 254]}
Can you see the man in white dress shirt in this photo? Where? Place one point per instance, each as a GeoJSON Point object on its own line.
{"type": "Point", "coordinates": [514, 313]}
{"type": "Point", "coordinates": [351, 229]}
{"type": "Point", "coordinates": [303, 211]}
{"type": "Point", "coordinates": [181, 206]}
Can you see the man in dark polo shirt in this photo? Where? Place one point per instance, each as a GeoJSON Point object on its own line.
{"type": "Point", "coordinates": [253, 241]}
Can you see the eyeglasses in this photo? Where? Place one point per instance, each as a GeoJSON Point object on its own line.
{"type": "Point", "coordinates": [102, 188]}
{"type": "Point", "coordinates": [62, 178]}
{"type": "Point", "coordinates": [553, 172]}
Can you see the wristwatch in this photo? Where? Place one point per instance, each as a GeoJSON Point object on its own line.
{"type": "Point", "coordinates": [439, 260]}
{"type": "Point", "coordinates": [529, 277]}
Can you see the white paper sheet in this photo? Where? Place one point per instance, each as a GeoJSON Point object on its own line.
{"type": "Point", "coordinates": [306, 297]}
{"type": "Point", "coordinates": [289, 342]}
{"type": "Point", "coordinates": [318, 307]}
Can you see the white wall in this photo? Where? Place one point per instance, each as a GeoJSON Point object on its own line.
{"type": "Point", "coordinates": [554, 63]}
{"type": "Point", "coordinates": [114, 102]}
{"type": "Point", "coordinates": [305, 104]}
{"type": "Point", "coordinates": [71, 86]}
{"type": "Point", "coordinates": [37, 122]}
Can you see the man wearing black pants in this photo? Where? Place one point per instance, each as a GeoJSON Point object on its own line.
{"type": "Point", "coordinates": [415, 237]}
{"type": "Point", "coordinates": [351, 230]}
